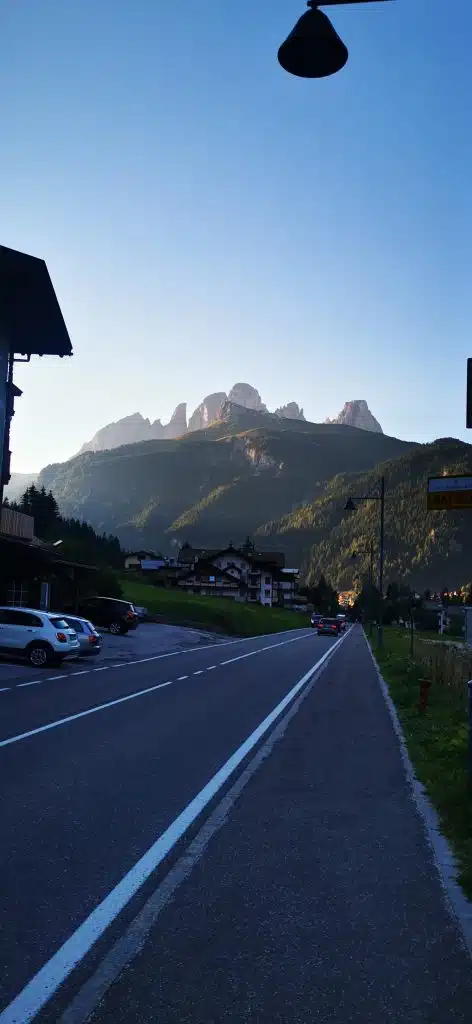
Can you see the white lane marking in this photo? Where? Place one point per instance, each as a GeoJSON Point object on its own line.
{"type": "Point", "coordinates": [35, 682]}
{"type": "Point", "coordinates": [171, 654]}
{"type": "Point", "coordinates": [45, 983]}
{"type": "Point", "coordinates": [261, 650]}
{"type": "Point", "coordinates": [210, 668]}
{"type": "Point", "coordinates": [103, 669]}
{"type": "Point", "coordinates": [199, 673]}
{"type": "Point", "coordinates": [130, 696]}
{"type": "Point", "coordinates": [130, 943]}
{"type": "Point", "coordinates": [80, 714]}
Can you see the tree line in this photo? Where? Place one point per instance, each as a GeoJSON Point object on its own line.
{"type": "Point", "coordinates": [79, 542]}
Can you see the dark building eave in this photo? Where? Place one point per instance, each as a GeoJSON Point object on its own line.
{"type": "Point", "coordinates": [31, 320]}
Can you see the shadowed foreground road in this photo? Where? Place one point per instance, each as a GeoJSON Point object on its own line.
{"type": "Point", "coordinates": [318, 901]}
{"type": "Point", "coordinates": [311, 898]}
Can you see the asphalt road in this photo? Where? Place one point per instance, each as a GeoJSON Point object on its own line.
{"type": "Point", "coordinates": [85, 792]}
{"type": "Point", "coordinates": [314, 898]}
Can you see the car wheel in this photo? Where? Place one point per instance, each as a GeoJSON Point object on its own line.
{"type": "Point", "coordinates": [116, 628]}
{"type": "Point", "coordinates": [39, 655]}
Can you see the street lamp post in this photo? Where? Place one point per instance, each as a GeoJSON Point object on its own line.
{"type": "Point", "coordinates": [370, 552]}
{"type": "Point", "coordinates": [350, 507]}
{"type": "Point", "coordinates": [313, 49]}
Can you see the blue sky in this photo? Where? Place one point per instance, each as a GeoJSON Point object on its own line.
{"type": "Point", "coordinates": [207, 218]}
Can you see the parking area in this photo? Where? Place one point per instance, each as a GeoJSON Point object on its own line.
{"type": "Point", "coordinates": [145, 641]}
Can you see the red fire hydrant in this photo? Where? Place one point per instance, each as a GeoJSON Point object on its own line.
{"type": "Point", "coordinates": [425, 686]}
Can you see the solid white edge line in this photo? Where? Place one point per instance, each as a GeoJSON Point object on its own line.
{"type": "Point", "coordinates": [443, 855]}
{"type": "Point", "coordinates": [130, 943]}
{"type": "Point", "coordinates": [34, 682]}
{"type": "Point", "coordinates": [121, 700]}
{"type": "Point", "coordinates": [48, 979]}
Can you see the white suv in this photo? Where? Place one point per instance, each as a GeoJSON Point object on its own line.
{"type": "Point", "coordinates": [41, 637]}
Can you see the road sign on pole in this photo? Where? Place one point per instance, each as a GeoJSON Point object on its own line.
{"type": "Point", "coordinates": [469, 395]}
{"type": "Point", "coordinates": [449, 493]}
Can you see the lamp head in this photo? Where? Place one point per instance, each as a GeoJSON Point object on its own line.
{"type": "Point", "coordinates": [313, 49]}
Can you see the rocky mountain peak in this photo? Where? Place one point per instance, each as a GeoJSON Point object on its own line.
{"type": "Point", "coordinates": [208, 411]}
{"type": "Point", "coordinates": [178, 422]}
{"type": "Point", "coordinates": [247, 396]}
{"type": "Point", "coordinates": [291, 411]}
{"type": "Point", "coordinates": [357, 414]}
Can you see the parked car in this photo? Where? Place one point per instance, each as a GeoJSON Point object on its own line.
{"type": "Point", "coordinates": [329, 627]}
{"type": "Point", "coordinates": [111, 613]}
{"type": "Point", "coordinates": [315, 619]}
{"type": "Point", "coordinates": [89, 638]}
{"type": "Point", "coordinates": [42, 637]}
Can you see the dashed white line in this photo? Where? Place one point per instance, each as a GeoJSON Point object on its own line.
{"type": "Point", "coordinates": [35, 682]}
{"type": "Point", "coordinates": [51, 679]}
{"type": "Point", "coordinates": [39, 990]}
{"type": "Point", "coordinates": [199, 673]}
{"type": "Point", "coordinates": [82, 673]}
{"type": "Point", "coordinates": [4, 689]}
{"type": "Point", "coordinates": [104, 669]}
{"type": "Point", "coordinates": [210, 667]}
{"type": "Point", "coordinates": [181, 678]}
{"type": "Point", "coordinates": [80, 714]}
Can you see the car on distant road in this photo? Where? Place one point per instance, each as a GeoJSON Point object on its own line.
{"type": "Point", "coordinates": [315, 619]}
{"type": "Point", "coordinates": [110, 612]}
{"type": "Point", "coordinates": [44, 638]}
{"type": "Point", "coordinates": [328, 627]}
{"type": "Point", "coordinates": [89, 638]}
{"type": "Point", "coordinates": [342, 621]}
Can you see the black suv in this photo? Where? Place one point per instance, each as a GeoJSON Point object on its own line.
{"type": "Point", "coordinates": [109, 612]}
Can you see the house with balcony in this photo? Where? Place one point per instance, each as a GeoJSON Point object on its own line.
{"type": "Point", "coordinates": [242, 573]}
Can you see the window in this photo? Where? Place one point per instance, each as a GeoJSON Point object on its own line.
{"type": "Point", "coordinates": [13, 617]}
{"type": "Point", "coordinates": [267, 591]}
{"type": "Point", "coordinates": [59, 623]}
{"type": "Point", "coordinates": [73, 623]}
{"type": "Point", "coordinates": [17, 593]}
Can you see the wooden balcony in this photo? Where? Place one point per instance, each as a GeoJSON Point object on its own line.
{"type": "Point", "coordinates": [16, 524]}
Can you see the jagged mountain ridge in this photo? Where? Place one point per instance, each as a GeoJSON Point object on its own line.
{"type": "Point", "coordinates": [135, 428]}
{"type": "Point", "coordinates": [226, 481]}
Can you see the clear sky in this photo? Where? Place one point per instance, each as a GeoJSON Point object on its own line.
{"type": "Point", "coordinates": [207, 218]}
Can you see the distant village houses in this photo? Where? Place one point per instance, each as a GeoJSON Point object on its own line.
{"type": "Point", "coordinates": [241, 574]}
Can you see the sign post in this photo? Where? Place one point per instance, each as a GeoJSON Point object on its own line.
{"type": "Point", "coordinates": [449, 493]}
{"type": "Point", "coordinates": [4, 364]}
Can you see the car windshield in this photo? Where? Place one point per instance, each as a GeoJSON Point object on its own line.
{"type": "Point", "coordinates": [58, 622]}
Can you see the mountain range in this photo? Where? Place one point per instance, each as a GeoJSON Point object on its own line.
{"type": "Point", "coordinates": [284, 482]}
{"type": "Point", "coordinates": [135, 428]}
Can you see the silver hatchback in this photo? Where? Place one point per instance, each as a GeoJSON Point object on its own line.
{"type": "Point", "coordinates": [89, 638]}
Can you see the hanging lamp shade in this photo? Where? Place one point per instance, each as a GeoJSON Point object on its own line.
{"type": "Point", "coordinates": [313, 49]}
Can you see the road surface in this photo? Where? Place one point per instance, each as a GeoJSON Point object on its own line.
{"type": "Point", "coordinates": [308, 894]}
